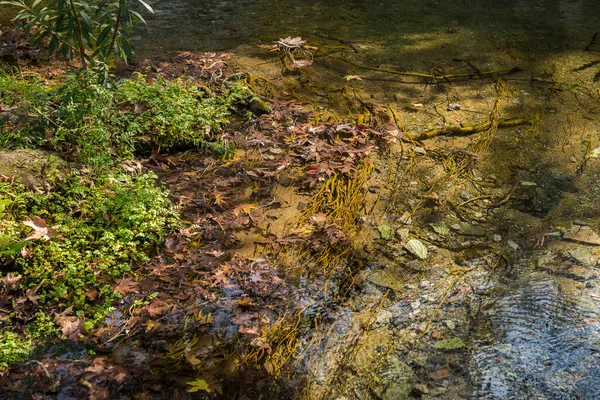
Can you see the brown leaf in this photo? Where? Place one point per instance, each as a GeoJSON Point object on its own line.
{"type": "Point", "coordinates": [126, 286]}
{"type": "Point", "coordinates": [69, 325]}
{"type": "Point", "coordinates": [40, 230]}
{"type": "Point", "coordinates": [441, 374]}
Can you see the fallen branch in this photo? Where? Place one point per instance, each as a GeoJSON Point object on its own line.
{"type": "Point", "coordinates": [431, 76]}
{"type": "Point", "coordinates": [469, 129]}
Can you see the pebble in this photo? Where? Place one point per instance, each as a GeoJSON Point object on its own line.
{"type": "Point", "coordinates": [497, 238]}
{"type": "Point", "coordinates": [580, 222]}
{"type": "Point", "coordinates": [420, 150]}
{"type": "Point", "coordinates": [425, 285]}
{"type": "Point", "coordinates": [402, 234]}
{"type": "Point", "coordinates": [450, 324]}
{"type": "Point", "coordinates": [406, 218]}
{"type": "Point", "coordinates": [464, 195]}
{"type": "Point", "coordinates": [415, 305]}
{"type": "Point", "coordinates": [454, 107]}
{"type": "Point", "coordinates": [573, 159]}
{"type": "Point", "coordinates": [512, 245]}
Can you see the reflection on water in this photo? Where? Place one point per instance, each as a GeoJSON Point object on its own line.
{"type": "Point", "coordinates": [225, 24]}
{"type": "Point", "coordinates": [540, 345]}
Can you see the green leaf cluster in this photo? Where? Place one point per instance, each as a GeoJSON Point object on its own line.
{"type": "Point", "coordinates": [90, 30]}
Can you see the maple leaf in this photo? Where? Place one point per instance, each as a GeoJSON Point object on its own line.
{"type": "Point", "coordinates": [126, 286]}
{"type": "Point", "coordinates": [290, 42]}
{"type": "Point", "coordinates": [40, 230]}
{"type": "Point", "coordinates": [245, 208]}
{"type": "Point", "coordinates": [69, 326]}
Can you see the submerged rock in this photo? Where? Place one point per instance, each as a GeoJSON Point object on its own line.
{"type": "Point", "coordinates": [583, 234]}
{"type": "Point", "coordinates": [416, 248]}
{"type": "Point", "coordinates": [467, 229]}
{"type": "Point", "coordinates": [385, 231]}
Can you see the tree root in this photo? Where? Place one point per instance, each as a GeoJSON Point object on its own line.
{"type": "Point", "coordinates": [470, 129]}
{"type": "Point", "coordinates": [431, 76]}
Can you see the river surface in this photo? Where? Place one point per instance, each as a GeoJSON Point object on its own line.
{"type": "Point", "coordinates": [538, 336]}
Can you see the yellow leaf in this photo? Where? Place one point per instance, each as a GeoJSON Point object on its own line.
{"type": "Point", "coordinates": [245, 208]}
{"type": "Point", "coordinates": [198, 384]}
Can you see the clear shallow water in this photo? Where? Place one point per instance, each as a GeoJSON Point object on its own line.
{"type": "Point", "coordinates": [537, 344]}
{"type": "Point", "coordinates": [404, 27]}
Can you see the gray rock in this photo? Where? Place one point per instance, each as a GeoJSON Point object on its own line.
{"type": "Point", "coordinates": [583, 256]}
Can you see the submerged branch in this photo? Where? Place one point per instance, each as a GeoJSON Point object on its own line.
{"type": "Point", "coordinates": [430, 76]}
{"type": "Point", "coordinates": [469, 129]}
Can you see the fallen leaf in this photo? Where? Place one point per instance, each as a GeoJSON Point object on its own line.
{"type": "Point", "coordinates": [441, 374]}
{"type": "Point", "coordinates": [40, 230]}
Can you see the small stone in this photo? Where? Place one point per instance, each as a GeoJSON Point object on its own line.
{"type": "Point", "coordinates": [450, 324]}
{"type": "Point", "coordinates": [583, 256]}
{"type": "Point", "coordinates": [415, 305]}
{"type": "Point", "coordinates": [465, 228]}
{"type": "Point", "coordinates": [583, 234]}
{"type": "Point", "coordinates": [497, 238]}
{"type": "Point", "coordinates": [454, 107]}
{"type": "Point", "coordinates": [512, 245]}
{"type": "Point", "coordinates": [406, 218]}
{"type": "Point", "coordinates": [437, 335]}
{"type": "Point", "coordinates": [385, 231]}
{"type": "Point", "coordinates": [478, 214]}
{"type": "Point", "coordinates": [420, 389]}
{"type": "Point", "coordinates": [580, 222]}
{"type": "Point", "coordinates": [464, 195]}
{"type": "Point", "coordinates": [420, 150]}
{"type": "Point", "coordinates": [425, 285]}
{"type": "Point", "coordinates": [374, 189]}
{"type": "Point", "coordinates": [573, 159]}
{"type": "Point", "coordinates": [402, 234]}
{"type": "Point", "coordinates": [492, 178]}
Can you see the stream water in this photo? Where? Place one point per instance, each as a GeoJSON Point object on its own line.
{"type": "Point", "coordinates": [538, 336]}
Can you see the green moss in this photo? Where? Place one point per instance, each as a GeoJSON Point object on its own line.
{"type": "Point", "coordinates": [454, 343]}
{"type": "Point", "coordinates": [14, 349]}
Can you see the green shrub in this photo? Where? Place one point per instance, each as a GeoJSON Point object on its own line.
{"type": "Point", "coordinates": [169, 114]}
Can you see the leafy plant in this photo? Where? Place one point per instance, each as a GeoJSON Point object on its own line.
{"type": "Point", "coordinates": [14, 349]}
{"type": "Point", "coordinates": [94, 31]}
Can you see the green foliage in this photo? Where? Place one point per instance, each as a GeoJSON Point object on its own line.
{"type": "Point", "coordinates": [14, 349]}
{"type": "Point", "coordinates": [170, 114]}
{"type": "Point", "coordinates": [23, 99]}
{"type": "Point", "coordinates": [95, 125]}
{"type": "Point", "coordinates": [9, 244]}
{"type": "Point", "coordinates": [94, 31]}
{"type": "Point", "coordinates": [106, 226]}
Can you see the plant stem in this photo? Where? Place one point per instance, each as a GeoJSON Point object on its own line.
{"type": "Point", "coordinates": [79, 36]}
